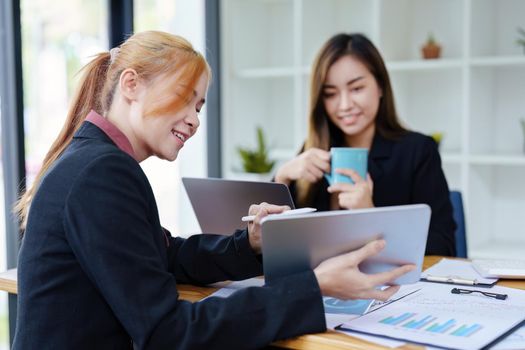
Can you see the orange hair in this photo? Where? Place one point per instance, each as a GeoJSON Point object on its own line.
{"type": "Point", "coordinates": [151, 54]}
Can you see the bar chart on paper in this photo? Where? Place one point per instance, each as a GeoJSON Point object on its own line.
{"type": "Point", "coordinates": [434, 327]}
{"type": "Point", "coordinates": [432, 324]}
{"type": "Point", "coordinates": [435, 316]}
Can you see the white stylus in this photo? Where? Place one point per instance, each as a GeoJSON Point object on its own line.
{"type": "Point", "coordinates": [287, 212]}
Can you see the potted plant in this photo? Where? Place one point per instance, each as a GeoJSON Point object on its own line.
{"type": "Point", "coordinates": [521, 40]}
{"type": "Point", "coordinates": [256, 163]}
{"type": "Point", "coordinates": [431, 49]}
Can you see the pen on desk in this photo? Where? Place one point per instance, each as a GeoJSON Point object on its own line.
{"type": "Point", "coordinates": [451, 279]}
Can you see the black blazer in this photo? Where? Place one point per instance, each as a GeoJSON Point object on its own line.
{"type": "Point", "coordinates": [97, 271]}
{"type": "Point", "coordinates": [406, 171]}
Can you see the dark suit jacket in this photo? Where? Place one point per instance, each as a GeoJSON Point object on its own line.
{"type": "Point", "coordinates": [97, 271]}
{"type": "Point", "coordinates": [407, 171]}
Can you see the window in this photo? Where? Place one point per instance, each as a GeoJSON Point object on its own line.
{"type": "Point", "coordinates": [184, 18]}
{"type": "Point", "coordinates": [56, 46]}
{"type": "Point", "coordinates": [58, 38]}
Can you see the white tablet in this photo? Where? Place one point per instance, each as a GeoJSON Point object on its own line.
{"type": "Point", "coordinates": [292, 244]}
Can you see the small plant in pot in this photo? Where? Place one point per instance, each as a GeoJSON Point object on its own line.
{"type": "Point", "coordinates": [431, 49]}
{"type": "Point", "coordinates": [256, 161]}
{"type": "Point", "coordinates": [521, 40]}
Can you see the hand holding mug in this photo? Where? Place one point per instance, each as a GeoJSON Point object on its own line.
{"type": "Point", "coordinates": [310, 165]}
{"type": "Point", "coordinates": [347, 158]}
{"type": "Point", "coordinates": [353, 196]}
{"type": "Point", "coordinates": [349, 178]}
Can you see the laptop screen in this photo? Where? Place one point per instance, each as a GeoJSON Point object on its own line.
{"type": "Point", "coordinates": [220, 204]}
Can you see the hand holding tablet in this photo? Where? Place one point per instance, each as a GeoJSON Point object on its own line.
{"type": "Point", "coordinates": [297, 243]}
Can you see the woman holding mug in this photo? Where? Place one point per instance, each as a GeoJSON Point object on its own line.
{"type": "Point", "coordinates": [352, 105]}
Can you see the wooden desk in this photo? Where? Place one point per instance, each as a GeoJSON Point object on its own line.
{"type": "Point", "coordinates": [8, 281]}
{"type": "Point", "coordinates": [329, 340]}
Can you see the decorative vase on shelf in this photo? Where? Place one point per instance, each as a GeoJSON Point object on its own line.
{"type": "Point", "coordinates": [431, 49]}
{"type": "Point", "coordinates": [256, 164]}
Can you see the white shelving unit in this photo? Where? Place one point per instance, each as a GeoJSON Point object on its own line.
{"type": "Point", "coordinates": [474, 94]}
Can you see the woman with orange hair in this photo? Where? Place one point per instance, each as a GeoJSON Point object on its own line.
{"type": "Point", "coordinates": [97, 271]}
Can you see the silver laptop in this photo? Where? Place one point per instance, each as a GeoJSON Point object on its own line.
{"type": "Point", "coordinates": [292, 244]}
{"type": "Point", "coordinates": [220, 204]}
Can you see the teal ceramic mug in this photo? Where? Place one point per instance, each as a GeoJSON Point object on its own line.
{"type": "Point", "coordinates": [347, 158]}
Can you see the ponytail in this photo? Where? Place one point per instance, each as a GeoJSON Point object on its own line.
{"type": "Point", "coordinates": [85, 99]}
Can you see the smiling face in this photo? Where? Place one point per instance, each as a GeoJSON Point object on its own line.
{"type": "Point", "coordinates": [163, 135]}
{"type": "Point", "coordinates": [351, 99]}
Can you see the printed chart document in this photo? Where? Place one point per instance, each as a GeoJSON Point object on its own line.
{"type": "Point", "coordinates": [334, 320]}
{"type": "Point", "coordinates": [515, 341]}
{"type": "Point", "coordinates": [435, 316]}
{"type": "Point", "coordinates": [339, 311]}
